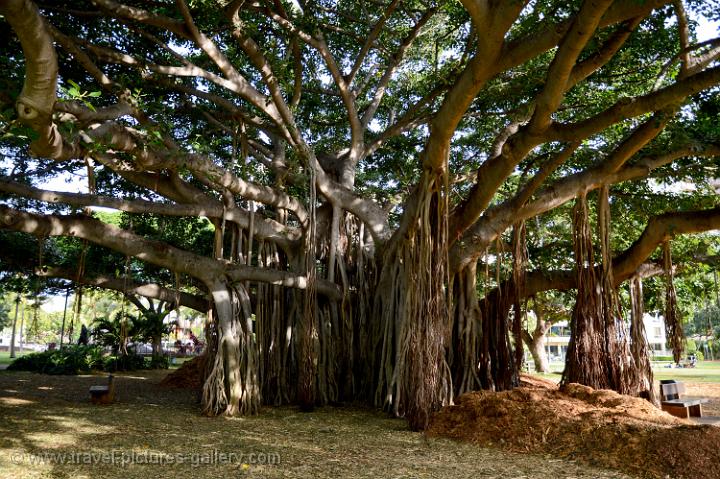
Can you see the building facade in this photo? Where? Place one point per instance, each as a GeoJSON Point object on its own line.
{"type": "Point", "coordinates": [558, 337]}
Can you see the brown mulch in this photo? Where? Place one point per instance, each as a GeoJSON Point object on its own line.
{"type": "Point", "coordinates": [596, 427]}
{"type": "Point", "coordinates": [187, 376]}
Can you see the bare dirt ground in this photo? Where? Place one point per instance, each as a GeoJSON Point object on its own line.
{"type": "Point", "coordinates": [600, 428]}
{"type": "Point", "coordinates": [40, 415]}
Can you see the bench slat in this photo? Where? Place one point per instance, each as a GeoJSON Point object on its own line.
{"type": "Point", "coordinates": [684, 407]}
{"type": "Point", "coordinates": [685, 401]}
{"type": "Point", "coordinates": [672, 390]}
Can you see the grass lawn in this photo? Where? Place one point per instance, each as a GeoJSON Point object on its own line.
{"type": "Point", "coordinates": [51, 414]}
{"type": "Point", "coordinates": [5, 356]}
{"type": "Point", "coordinates": [179, 362]}
{"type": "Point", "coordinates": [704, 372]}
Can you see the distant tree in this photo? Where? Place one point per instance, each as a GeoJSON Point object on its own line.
{"type": "Point", "coordinates": [548, 310]}
{"type": "Point", "coordinates": [4, 315]}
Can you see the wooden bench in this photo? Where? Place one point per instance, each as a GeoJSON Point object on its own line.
{"type": "Point", "coordinates": [103, 394]}
{"type": "Point", "coordinates": [672, 403]}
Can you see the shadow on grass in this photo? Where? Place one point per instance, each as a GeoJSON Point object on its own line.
{"type": "Point", "coordinates": [51, 414]}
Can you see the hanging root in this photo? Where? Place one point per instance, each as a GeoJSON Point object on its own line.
{"type": "Point", "coordinates": [214, 399]}
{"type": "Point", "coordinates": [639, 345]}
{"type": "Point", "coordinates": [463, 356]}
{"type": "Point", "coordinates": [481, 355]}
{"type": "Point", "coordinates": [414, 375]}
{"type": "Point", "coordinates": [497, 366]}
{"type": "Point", "coordinates": [600, 354]}
{"type": "Point", "coordinates": [673, 322]}
{"type": "Point", "coordinates": [586, 351]}
{"type": "Point", "coordinates": [273, 329]}
{"type": "Point", "coordinates": [621, 368]}
{"type": "Point", "coordinates": [519, 268]}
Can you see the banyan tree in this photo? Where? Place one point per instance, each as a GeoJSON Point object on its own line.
{"type": "Point", "coordinates": [382, 177]}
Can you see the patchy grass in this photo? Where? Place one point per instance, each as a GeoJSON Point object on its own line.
{"type": "Point", "coordinates": [704, 372]}
{"type": "Point", "coordinates": [42, 414]}
{"type": "Point", "coordinates": [180, 361]}
{"type": "Point", "coordinates": [5, 356]}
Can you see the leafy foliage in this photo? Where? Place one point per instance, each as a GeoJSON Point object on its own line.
{"type": "Point", "coordinates": [68, 360]}
{"type": "Point", "coordinates": [77, 359]}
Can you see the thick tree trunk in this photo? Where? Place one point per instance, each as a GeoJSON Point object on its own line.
{"type": "Point", "coordinates": [536, 345]}
{"type": "Point", "coordinates": [599, 352]}
{"type": "Point", "coordinates": [539, 354]}
{"type": "Point", "coordinates": [497, 365]}
{"type": "Point", "coordinates": [157, 347]}
{"type": "Point", "coordinates": [232, 385]}
{"type": "Point", "coordinates": [536, 341]}
{"type": "Point", "coordinates": [586, 359]}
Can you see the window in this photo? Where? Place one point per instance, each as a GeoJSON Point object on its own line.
{"type": "Point", "coordinates": [657, 332]}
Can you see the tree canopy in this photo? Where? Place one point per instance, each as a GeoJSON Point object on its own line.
{"type": "Point", "coordinates": [361, 193]}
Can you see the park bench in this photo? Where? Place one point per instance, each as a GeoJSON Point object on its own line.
{"type": "Point", "coordinates": [673, 403]}
{"type": "Point", "coordinates": [103, 394]}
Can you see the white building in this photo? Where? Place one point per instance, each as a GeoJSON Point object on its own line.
{"type": "Point", "coordinates": [5, 336]}
{"type": "Point", "coordinates": [558, 337]}
{"type": "Point", "coordinates": [655, 333]}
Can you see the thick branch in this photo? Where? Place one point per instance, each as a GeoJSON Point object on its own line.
{"type": "Point", "coordinates": [161, 254]}
{"type": "Point", "coordinates": [264, 228]}
{"type": "Point", "coordinates": [582, 30]}
{"type": "Point", "coordinates": [127, 286]}
{"type": "Point", "coordinates": [632, 107]}
{"type": "Point", "coordinates": [632, 260]}
{"type": "Point", "coordinates": [37, 99]}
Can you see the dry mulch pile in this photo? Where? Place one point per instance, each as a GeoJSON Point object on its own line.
{"type": "Point", "coordinates": [187, 376]}
{"type": "Point", "coordinates": [596, 427]}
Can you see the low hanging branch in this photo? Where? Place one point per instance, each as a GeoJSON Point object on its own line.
{"type": "Point", "coordinates": [673, 322]}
